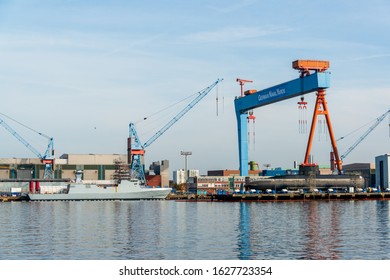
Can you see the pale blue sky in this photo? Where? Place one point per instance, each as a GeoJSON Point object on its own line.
{"type": "Point", "coordinates": [80, 71]}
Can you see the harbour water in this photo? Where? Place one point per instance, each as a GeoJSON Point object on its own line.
{"type": "Point", "coordinates": [179, 230]}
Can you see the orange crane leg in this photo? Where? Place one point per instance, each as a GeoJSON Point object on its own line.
{"type": "Point", "coordinates": [321, 108]}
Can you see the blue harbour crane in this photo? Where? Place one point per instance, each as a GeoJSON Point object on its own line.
{"type": "Point", "coordinates": [136, 149]}
{"type": "Point", "coordinates": [365, 134]}
{"type": "Point", "coordinates": [47, 158]}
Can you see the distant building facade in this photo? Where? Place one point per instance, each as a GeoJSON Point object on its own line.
{"type": "Point", "coordinates": [214, 184]}
{"type": "Point", "coordinates": [158, 174]}
{"type": "Point", "coordinates": [179, 176]}
{"type": "Point", "coordinates": [366, 170]}
{"type": "Point", "coordinates": [382, 169]}
{"type": "Point", "coordinates": [193, 173]}
{"type": "Point", "coordinates": [94, 167]}
{"type": "Point", "coordinates": [228, 172]}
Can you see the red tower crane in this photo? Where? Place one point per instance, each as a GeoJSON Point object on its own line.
{"type": "Point", "coordinates": [251, 117]}
{"type": "Point", "coordinates": [242, 82]}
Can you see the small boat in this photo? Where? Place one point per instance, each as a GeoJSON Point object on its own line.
{"type": "Point", "coordinates": [101, 190]}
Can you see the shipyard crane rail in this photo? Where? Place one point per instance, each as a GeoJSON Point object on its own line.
{"type": "Point", "coordinates": [361, 138]}
{"type": "Point", "coordinates": [47, 158]}
{"type": "Point", "coordinates": [136, 149]}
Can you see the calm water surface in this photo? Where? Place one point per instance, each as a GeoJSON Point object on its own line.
{"type": "Point", "coordinates": [143, 230]}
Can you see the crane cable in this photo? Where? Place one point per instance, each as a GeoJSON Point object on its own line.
{"type": "Point", "coordinates": [166, 108]}
{"type": "Point", "coordinates": [32, 129]}
{"type": "Point", "coordinates": [341, 138]}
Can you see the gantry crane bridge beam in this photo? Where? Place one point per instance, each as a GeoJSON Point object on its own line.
{"type": "Point", "coordinates": [306, 83]}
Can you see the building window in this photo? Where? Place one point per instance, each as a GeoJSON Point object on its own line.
{"type": "Point", "coordinates": [381, 177]}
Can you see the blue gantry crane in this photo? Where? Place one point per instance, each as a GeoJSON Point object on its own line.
{"type": "Point", "coordinates": [47, 158]}
{"type": "Point", "coordinates": [309, 81]}
{"type": "Point", "coordinates": [136, 149]}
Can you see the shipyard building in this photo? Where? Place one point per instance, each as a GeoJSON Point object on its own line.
{"type": "Point", "coordinates": [382, 171]}
{"type": "Point", "coordinates": [93, 167]}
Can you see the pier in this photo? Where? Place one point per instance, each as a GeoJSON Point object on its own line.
{"type": "Point", "coordinates": [281, 197]}
{"type": "Point", "coordinates": [10, 198]}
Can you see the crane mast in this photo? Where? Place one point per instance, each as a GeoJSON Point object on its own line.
{"type": "Point", "coordinates": [47, 158]}
{"type": "Point", "coordinates": [136, 149]}
{"type": "Point", "coordinates": [136, 152]}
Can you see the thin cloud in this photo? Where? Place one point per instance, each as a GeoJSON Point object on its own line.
{"type": "Point", "coordinates": [232, 34]}
{"type": "Point", "coordinates": [232, 8]}
{"type": "Point", "coordinates": [26, 40]}
{"type": "Point", "coordinates": [368, 57]}
{"type": "Point", "coordinates": [137, 44]}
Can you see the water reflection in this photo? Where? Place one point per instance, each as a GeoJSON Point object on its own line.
{"type": "Point", "coordinates": [383, 228]}
{"type": "Point", "coordinates": [196, 230]}
{"type": "Point", "coordinates": [322, 231]}
{"type": "Point", "coordinates": [244, 243]}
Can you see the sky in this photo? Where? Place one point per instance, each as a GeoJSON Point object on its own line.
{"type": "Point", "coordinates": [81, 71]}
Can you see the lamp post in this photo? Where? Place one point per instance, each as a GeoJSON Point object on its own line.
{"type": "Point", "coordinates": [185, 154]}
